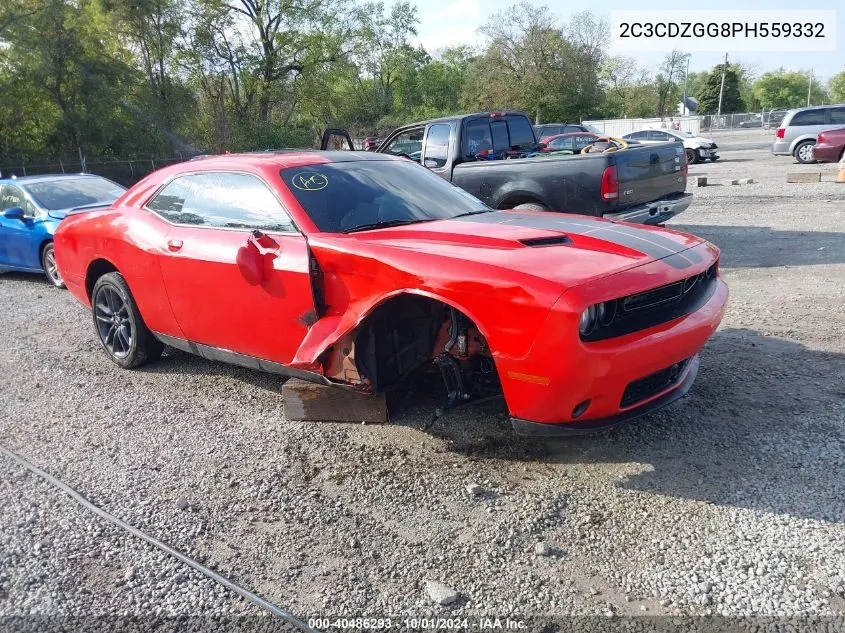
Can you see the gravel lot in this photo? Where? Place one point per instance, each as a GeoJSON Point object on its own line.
{"type": "Point", "coordinates": [731, 501]}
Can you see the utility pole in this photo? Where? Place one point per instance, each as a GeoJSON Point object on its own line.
{"type": "Point", "coordinates": [722, 89]}
{"type": "Point", "coordinates": [686, 76]}
{"type": "Point", "coordinates": [810, 89]}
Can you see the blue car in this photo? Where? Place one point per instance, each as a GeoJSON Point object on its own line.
{"type": "Point", "coordinates": [32, 207]}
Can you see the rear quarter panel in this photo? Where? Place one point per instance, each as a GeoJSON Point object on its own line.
{"type": "Point", "coordinates": [130, 240]}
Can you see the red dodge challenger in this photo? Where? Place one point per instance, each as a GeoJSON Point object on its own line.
{"type": "Point", "coordinates": [357, 269]}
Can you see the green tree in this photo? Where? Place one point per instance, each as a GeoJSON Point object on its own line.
{"type": "Point", "coordinates": [64, 57]}
{"type": "Point", "coordinates": [628, 89]}
{"type": "Point", "coordinates": [788, 89]}
{"type": "Point", "coordinates": [708, 95]}
{"type": "Point", "coordinates": [529, 65]}
{"type": "Point", "coordinates": [668, 82]}
{"type": "Point", "coordinates": [837, 88]}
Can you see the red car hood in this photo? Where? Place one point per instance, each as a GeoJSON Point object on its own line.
{"type": "Point", "coordinates": [569, 249]}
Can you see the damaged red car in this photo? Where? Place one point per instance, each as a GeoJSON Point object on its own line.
{"type": "Point", "coordinates": [357, 269]}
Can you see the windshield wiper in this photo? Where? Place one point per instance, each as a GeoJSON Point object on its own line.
{"type": "Point", "coordinates": [381, 225]}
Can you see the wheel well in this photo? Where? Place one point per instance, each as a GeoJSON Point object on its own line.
{"type": "Point", "coordinates": [798, 143]}
{"type": "Point", "coordinates": [97, 269]}
{"type": "Point", "coordinates": [401, 335]}
{"type": "Point", "coordinates": [41, 248]}
{"type": "Point", "coordinates": [509, 202]}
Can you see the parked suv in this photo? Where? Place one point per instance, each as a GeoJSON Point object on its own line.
{"type": "Point", "coordinates": [547, 130]}
{"type": "Point", "coordinates": [800, 128]}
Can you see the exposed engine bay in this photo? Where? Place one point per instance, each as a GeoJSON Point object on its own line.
{"type": "Point", "coordinates": [406, 334]}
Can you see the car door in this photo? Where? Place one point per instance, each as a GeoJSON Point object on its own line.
{"type": "Point", "coordinates": [16, 236]}
{"type": "Point", "coordinates": [837, 118]}
{"type": "Point", "coordinates": [658, 136]}
{"type": "Point", "coordinates": [235, 268]}
{"type": "Point", "coordinates": [438, 139]}
{"type": "Point", "coordinates": [407, 143]}
{"type": "Point", "coordinates": [640, 137]}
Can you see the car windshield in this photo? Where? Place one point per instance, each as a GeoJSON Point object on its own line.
{"type": "Point", "coordinates": [67, 193]}
{"type": "Point", "coordinates": [354, 195]}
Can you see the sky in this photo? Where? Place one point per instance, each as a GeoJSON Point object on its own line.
{"type": "Point", "coordinates": [450, 22]}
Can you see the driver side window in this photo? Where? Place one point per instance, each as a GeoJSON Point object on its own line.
{"type": "Point", "coordinates": [12, 196]}
{"type": "Point", "coordinates": [408, 143]}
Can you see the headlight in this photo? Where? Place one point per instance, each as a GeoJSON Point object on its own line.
{"type": "Point", "coordinates": [587, 321]}
{"type": "Point", "coordinates": [606, 311]}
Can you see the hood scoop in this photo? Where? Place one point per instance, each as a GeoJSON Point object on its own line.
{"type": "Point", "coordinates": [554, 240]}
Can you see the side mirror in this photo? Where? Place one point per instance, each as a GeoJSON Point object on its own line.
{"type": "Point", "coordinates": [15, 213]}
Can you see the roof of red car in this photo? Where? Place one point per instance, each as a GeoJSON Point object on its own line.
{"type": "Point", "coordinates": [284, 158]}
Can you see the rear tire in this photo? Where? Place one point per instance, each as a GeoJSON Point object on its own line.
{"type": "Point", "coordinates": [119, 326]}
{"type": "Point", "coordinates": [804, 152]}
{"type": "Point", "coordinates": [48, 264]}
{"type": "Point", "coordinates": [531, 206]}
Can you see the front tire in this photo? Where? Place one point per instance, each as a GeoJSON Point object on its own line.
{"type": "Point", "coordinates": [48, 264]}
{"type": "Point", "coordinates": [804, 152]}
{"type": "Point", "coordinates": [692, 156]}
{"type": "Point", "coordinates": [120, 328]}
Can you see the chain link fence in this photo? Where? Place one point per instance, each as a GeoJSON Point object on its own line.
{"type": "Point", "coordinates": [765, 120]}
{"type": "Point", "coordinates": [126, 171]}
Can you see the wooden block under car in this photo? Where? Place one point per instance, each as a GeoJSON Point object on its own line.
{"type": "Point", "coordinates": [310, 402]}
{"type": "Point", "coordinates": [804, 176]}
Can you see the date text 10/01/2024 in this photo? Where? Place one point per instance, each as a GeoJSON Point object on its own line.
{"type": "Point", "coordinates": [438, 624]}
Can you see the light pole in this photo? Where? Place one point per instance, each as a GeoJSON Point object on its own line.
{"type": "Point", "coordinates": [810, 88]}
{"type": "Point", "coordinates": [686, 76]}
{"type": "Point", "coordinates": [722, 89]}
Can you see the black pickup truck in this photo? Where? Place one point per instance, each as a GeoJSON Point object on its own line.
{"type": "Point", "coordinates": [495, 156]}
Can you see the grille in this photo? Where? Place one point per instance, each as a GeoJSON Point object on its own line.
{"type": "Point", "coordinates": [659, 305]}
{"type": "Point", "coordinates": [652, 298]}
{"type": "Point", "coordinates": [652, 384]}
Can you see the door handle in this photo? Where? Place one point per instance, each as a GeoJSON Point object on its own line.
{"type": "Point", "coordinates": [174, 245]}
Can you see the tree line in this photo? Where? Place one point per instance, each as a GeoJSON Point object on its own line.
{"type": "Point", "coordinates": [123, 78]}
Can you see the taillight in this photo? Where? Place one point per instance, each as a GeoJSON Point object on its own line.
{"type": "Point", "coordinates": [610, 184]}
{"type": "Point", "coordinates": [781, 132]}
{"type": "Point", "coordinates": [686, 165]}
{"type": "Point", "coordinates": [821, 139]}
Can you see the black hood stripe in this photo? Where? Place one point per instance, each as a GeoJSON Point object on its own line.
{"type": "Point", "coordinates": [648, 242]}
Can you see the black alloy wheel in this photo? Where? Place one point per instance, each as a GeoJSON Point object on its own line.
{"type": "Point", "coordinates": [113, 323]}
{"type": "Point", "coordinates": [120, 328]}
